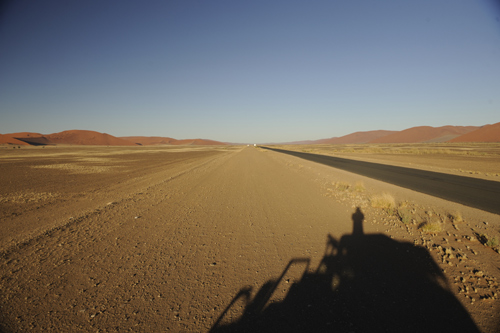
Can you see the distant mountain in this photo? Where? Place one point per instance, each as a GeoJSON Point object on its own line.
{"type": "Point", "coordinates": [486, 133]}
{"type": "Point", "coordinates": [357, 137]}
{"type": "Point", "coordinates": [425, 134]}
{"type": "Point", "coordinates": [199, 142]}
{"type": "Point", "coordinates": [419, 134]}
{"type": "Point", "coordinates": [83, 137]}
{"type": "Point", "coordinates": [73, 137]}
{"type": "Point", "coordinates": [157, 140]}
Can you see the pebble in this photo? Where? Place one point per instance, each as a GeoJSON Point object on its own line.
{"type": "Point", "coordinates": [478, 273]}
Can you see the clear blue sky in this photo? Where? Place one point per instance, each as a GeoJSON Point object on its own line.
{"type": "Point", "coordinates": [248, 71]}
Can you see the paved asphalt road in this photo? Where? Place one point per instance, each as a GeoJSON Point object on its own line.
{"type": "Point", "coordinates": [473, 192]}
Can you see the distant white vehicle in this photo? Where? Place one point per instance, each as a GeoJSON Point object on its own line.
{"type": "Point", "coordinates": [254, 145]}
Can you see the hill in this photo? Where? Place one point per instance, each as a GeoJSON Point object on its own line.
{"type": "Point", "coordinates": [7, 139]}
{"type": "Point", "coordinates": [149, 140]}
{"type": "Point", "coordinates": [199, 142]}
{"type": "Point", "coordinates": [422, 134]}
{"type": "Point", "coordinates": [357, 137]}
{"type": "Point", "coordinates": [30, 138]}
{"type": "Point", "coordinates": [157, 140]}
{"type": "Point", "coordinates": [486, 133]}
{"type": "Point", "coordinates": [82, 137]}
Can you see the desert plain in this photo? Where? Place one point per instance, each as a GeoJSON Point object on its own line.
{"type": "Point", "coordinates": [241, 238]}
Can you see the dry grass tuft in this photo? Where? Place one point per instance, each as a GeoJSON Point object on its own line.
{"type": "Point", "coordinates": [27, 197]}
{"type": "Point", "coordinates": [342, 186]}
{"type": "Point", "coordinates": [75, 168]}
{"type": "Point", "coordinates": [456, 217]}
{"type": "Point", "coordinates": [431, 227]}
{"type": "Point", "coordinates": [384, 201]}
{"type": "Point", "coordinates": [359, 187]}
{"type": "Point", "coordinates": [490, 241]}
{"type": "Point", "coordinates": [404, 214]}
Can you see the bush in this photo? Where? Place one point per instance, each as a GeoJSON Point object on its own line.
{"type": "Point", "coordinates": [432, 227]}
{"type": "Point", "coordinates": [342, 186]}
{"type": "Point", "coordinates": [404, 214]}
{"type": "Point", "coordinates": [487, 240]}
{"type": "Point", "coordinates": [492, 242]}
{"type": "Point", "coordinates": [359, 187]}
{"type": "Point", "coordinates": [455, 217]}
{"type": "Point", "coordinates": [384, 201]}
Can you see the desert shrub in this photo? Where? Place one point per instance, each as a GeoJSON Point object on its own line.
{"type": "Point", "coordinates": [455, 217]}
{"type": "Point", "coordinates": [359, 187]}
{"type": "Point", "coordinates": [431, 227]}
{"type": "Point", "coordinates": [487, 240]}
{"type": "Point", "coordinates": [492, 242]}
{"type": "Point", "coordinates": [384, 201]}
{"type": "Point", "coordinates": [404, 214]}
{"type": "Point", "coordinates": [342, 186]}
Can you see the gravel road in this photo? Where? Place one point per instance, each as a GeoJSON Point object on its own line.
{"type": "Point", "coordinates": [221, 241]}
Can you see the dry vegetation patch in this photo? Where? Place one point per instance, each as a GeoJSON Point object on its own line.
{"type": "Point", "coordinates": [76, 168]}
{"type": "Point", "coordinates": [432, 226]}
{"type": "Point", "coordinates": [359, 187]}
{"type": "Point", "coordinates": [384, 201]}
{"type": "Point", "coordinates": [27, 197]}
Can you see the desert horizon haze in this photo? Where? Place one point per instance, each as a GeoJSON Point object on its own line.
{"type": "Point", "coordinates": [249, 71]}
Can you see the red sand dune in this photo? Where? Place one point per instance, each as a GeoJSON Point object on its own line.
{"type": "Point", "coordinates": [25, 135]}
{"type": "Point", "coordinates": [7, 139]}
{"type": "Point", "coordinates": [425, 134]}
{"type": "Point", "coordinates": [80, 137]}
{"type": "Point", "coordinates": [34, 139]}
{"type": "Point", "coordinates": [486, 133]}
{"type": "Point", "coordinates": [200, 142]}
{"type": "Point", "coordinates": [357, 137]}
{"type": "Point", "coordinates": [149, 140]}
{"type": "Point", "coordinates": [157, 140]}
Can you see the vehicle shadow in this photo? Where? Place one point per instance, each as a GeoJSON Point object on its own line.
{"type": "Point", "coordinates": [364, 283]}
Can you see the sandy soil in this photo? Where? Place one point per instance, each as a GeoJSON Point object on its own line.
{"type": "Point", "coordinates": [162, 239]}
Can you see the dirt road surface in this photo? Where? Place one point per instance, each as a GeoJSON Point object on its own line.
{"type": "Point", "coordinates": [220, 240]}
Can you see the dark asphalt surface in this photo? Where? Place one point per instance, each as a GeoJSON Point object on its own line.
{"type": "Point", "coordinates": [473, 192]}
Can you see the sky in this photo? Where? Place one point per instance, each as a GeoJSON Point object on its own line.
{"type": "Point", "coordinates": [248, 71]}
